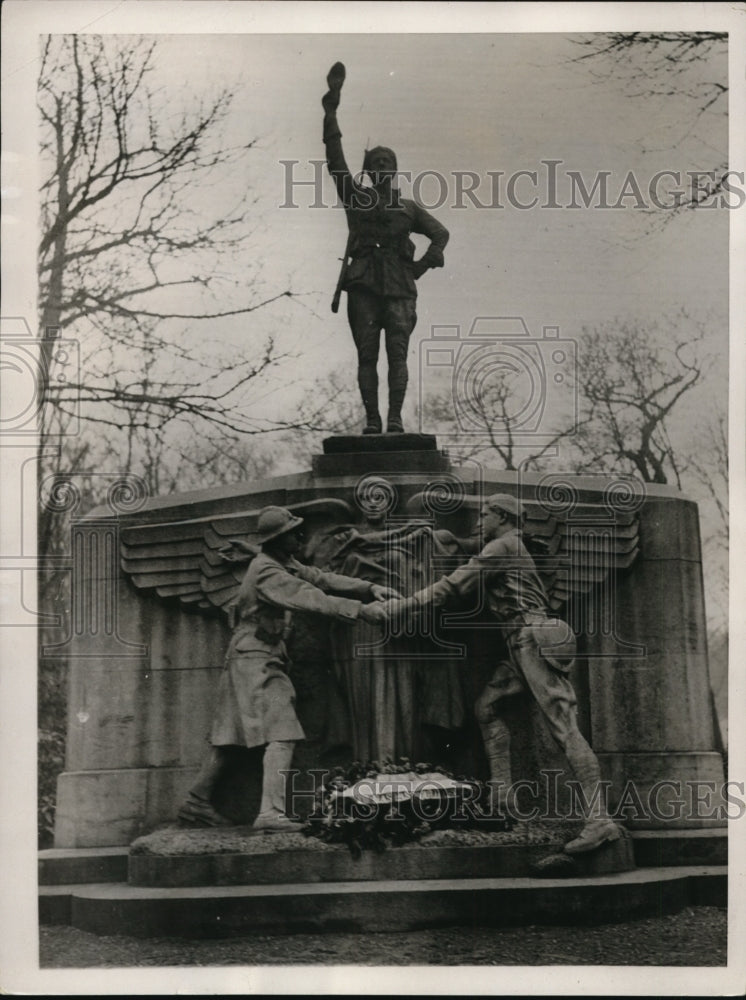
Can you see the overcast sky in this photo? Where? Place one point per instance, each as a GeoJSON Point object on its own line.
{"type": "Point", "coordinates": [481, 103]}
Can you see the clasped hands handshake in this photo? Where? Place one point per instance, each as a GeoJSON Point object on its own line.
{"type": "Point", "coordinates": [387, 605]}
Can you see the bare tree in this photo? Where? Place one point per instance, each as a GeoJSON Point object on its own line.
{"type": "Point", "coordinates": [129, 253]}
{"type": "Point", "coordinates": [689, 66]}
{"type": "Point", "coordinates": [629, 384]}
{"type": "Point", "coordinates": [708, 466]}
{"type": "Point", "coordinates": [487, 423]}
{"type": "Point", "coordinates": [631, 381]}
{"type": "Point", "coordinates": [706, 479]}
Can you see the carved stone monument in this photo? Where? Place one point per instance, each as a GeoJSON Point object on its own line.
{"type": "Point", "coordinates": [151, 627]}
{"type": "Point", "coordinates": [625, 573]}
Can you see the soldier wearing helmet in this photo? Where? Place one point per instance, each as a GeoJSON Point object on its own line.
{"type": "Point", "coordinates": [540, 653]}
{"type": "Point", "coordinates": [256, 698]}
{"type": "Point", "coordinates": [379, 270]}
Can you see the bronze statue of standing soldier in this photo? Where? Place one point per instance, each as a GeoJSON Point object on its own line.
{"type": "Point", "coordinates": [379, 270]}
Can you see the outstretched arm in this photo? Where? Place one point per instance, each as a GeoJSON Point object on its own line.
{"type": "Point", "coordinates": [335, 158]}
{"type": "Point", "coordinates": [346, 586]}
{"type": "Point", "coordinates": [465, 580]}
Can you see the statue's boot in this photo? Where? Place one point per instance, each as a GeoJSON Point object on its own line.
{"type": "Point", "coordinates": [196, 811]}
{"type": "Point", "coordinates": [496, 740]}
{"type": "Point", "coordinates": [367, 379]}
{"type": "Point", "coordinates": [397, 391]}
{"type": "Point", "coordinates": [593, 835]}
{"type": "Point", "coordinates": [272, 818]}
{"type": "Point", "coordinates": [599, 827]}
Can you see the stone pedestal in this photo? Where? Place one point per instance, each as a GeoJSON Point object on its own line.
{"type": "Point", "coordinates": [373, 454]}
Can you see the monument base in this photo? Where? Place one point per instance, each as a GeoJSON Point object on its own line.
{"type": "Point", "coordinates": [239, 856]}
{"type": "Point", "coordinates": [405, 888]}
{"type": "Point", "coordinates": [367, 454]}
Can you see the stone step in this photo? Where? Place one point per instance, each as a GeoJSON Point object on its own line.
{"type": "Point", "coordinates": [659, 848]}
{"type": "Point", "coordinates": [652, 848]}
{"type": "Point", "coordinates": [240, 856]}
{"type": "Point", "coordinates": [118, 908]}
{"type": "Point", "coordinates": [65, 865]}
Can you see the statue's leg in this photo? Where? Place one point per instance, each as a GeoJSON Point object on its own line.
{"type": "Point", "coordinates": [363, 313]}
{"type": "Point", "coordinates": [278, 756]}
{"type": "Point", "coordinates": [495, 733]}
{"type": "Point", "coordinates": [196, 808]}
{"type": "Point", "coordinates": [556, 698]}
{"type": "Point", "coordinates": [401, 317]}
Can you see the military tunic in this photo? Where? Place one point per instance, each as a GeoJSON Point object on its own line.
{"type": "Point", "coordinates": [256, 698]}
{"type": "Point", "coordinates": [381, 250]}
{"type": "Point", "coordinates": [381, 274]}
{"type": "Point", "coordinates": [541, 649]}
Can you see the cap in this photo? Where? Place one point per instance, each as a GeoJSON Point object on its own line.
{"type": "Point", "coordinates": [503, 501]}
{"type": "Point", "coordinates": [276, 521]}
{"type": "Point", "coordinates": [377, 149]}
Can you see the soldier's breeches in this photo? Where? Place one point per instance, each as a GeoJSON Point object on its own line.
{"type": "Point", "coordinates": [368, 314]}
{"type": "Point", "coordinates": [556, 698]}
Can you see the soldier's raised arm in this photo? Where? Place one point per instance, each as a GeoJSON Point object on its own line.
{"type": "Point", "coordinates": [335, 158]}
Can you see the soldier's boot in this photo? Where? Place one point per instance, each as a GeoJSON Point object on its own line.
{"type": "Point", "coordinates": [397, 391]}
{"type": "Point", "coordinates": [599, 827]}
{"type": "Point", "coordinates": [496, 741]}
{"type": "Point", "coordinates": [368, 383]}
{"type": "Point", "coordinates": [197, 811]}
{"type": "Point", "coordinates": [593, 835]}
{"type": "Point", "coordinates": [272, 817]}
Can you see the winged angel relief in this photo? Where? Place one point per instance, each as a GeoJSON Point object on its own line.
{"type": "Point", "coordinates": [389, 692]}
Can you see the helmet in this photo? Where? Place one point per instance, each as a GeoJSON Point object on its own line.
{"type": "Point", "coordinates": [377, 149]}
{"type": "Point", "coordinates": [276, 521]}
{"type": "Point", "coordinates": [503, 501]}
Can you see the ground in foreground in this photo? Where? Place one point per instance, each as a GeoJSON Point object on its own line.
{"type": "Point", "coordinates": [694, 937]}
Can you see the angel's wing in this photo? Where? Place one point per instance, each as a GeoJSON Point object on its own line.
{"type": "Point", "coordinates": [198, 563]}
{"type": "Point", "coordinates": [573, 553]}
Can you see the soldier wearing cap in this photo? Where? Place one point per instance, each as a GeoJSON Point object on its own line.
{"type": "Point", "coordinates": [540, 653]}
{"type": "Point", "coordinates": [256, 698]}
{"type": "Point", "coordinates": [381, 275]}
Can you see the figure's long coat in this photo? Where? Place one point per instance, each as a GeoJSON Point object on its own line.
{"type": "Point", "coordinates": [256, 698]}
